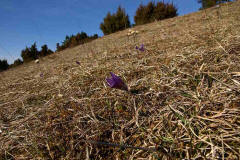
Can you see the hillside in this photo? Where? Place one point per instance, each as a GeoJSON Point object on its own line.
{"type": "Point", "coordinates": [186, 102]}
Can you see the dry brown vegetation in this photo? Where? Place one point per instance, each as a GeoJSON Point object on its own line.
{"type": "Point", "coordinates": [186, 105]}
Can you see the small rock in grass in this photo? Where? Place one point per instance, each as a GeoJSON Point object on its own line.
{"type": "Point", "coordinates": [60, 95]}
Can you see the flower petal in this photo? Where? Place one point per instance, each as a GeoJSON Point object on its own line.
{"type": "Point", "coordinates": [115, 77]}
{"type": "Point", "coordinates": [141, 48]}
{"type": "Point", "coordinates": [110, 82]}
{"type": "Point", "coordinates": [116, 82]}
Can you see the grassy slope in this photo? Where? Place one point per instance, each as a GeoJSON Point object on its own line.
{"type": "Point", "coordinates": [187, 105]}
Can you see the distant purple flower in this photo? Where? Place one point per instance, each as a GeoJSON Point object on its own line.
{"type": "Point", "coordinates": [78, 62]}
{"type": "Point", "coordinates": [116, 82]}
{"type": "Point", "coordinates": [41, 75]}
{"type": "Point", "coordinates": [141, 48]}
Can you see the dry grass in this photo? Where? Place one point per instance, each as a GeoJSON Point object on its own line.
{"type": "Point", "coordinates": [187, 101]}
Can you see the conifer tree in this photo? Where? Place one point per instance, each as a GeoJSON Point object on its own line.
{"type": "Point", "coordinates": [17, 62]}
{"type": "Point", "coordinates": [73, 40]}
{"type": "Point", "coordinates": [34, 54]}
{"type": "Point", "coordinates": [138, 18]}
{"type": "Point", "coordinates": [115, 22]}
{"type": "Point", "coordinates": [58, 48]}
{"type": "Point", "coordinates": [25, 54]}
{"type": "Point", "coordinates": [159, 11]}
{"type": "Point", "coordinates": [149, 12]}
{"type": "Point", "coordinates": [211, 3]}
{"type": "Point", "coordinates": [152, 12]}
{"type": "Point", "coordinates": [121, 19]}
{"type": "Point", "coordinates": [45, 51]}
{"type": "Point", "coordinates": [3, 65]}
{"type": "Point", "coordinates": [31, 53]}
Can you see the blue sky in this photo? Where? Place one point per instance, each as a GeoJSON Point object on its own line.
{"type": "Point", "coordinates": [48, 21]}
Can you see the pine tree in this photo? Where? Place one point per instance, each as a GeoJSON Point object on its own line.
{"type": "Point", "coordinates": [45, 51]}
{"type": "Point", "coordinates": [3, 65]}
{"type": "Point", "coordinates": [34, 54]}
{"type": "Point", "coordinates": [25, 54]}
{"type": "Point", "coordinates": [152, 12]}
{"type": "Point", "coordinates": [108, 25]}
{"type": "Point", "coordinates": [149, 12]}
{"type": "Point", "coordinates": [73, 40]}
{"type": "Point", "coordinates": [58, 47]}
{"type": "Point", "coordinates": [30, 54]}
{"type": "Point", "coordinates": [171, 11]}
{"type": "Point", "coordinates": [145, 14]}
{"type": "Point", "coordinates": [121, 19]}
{"type": "Point", "coordinates": [115, 22]}
{"type": "Point", "coordinates": [211, 3]}
{"type": "Point", "coordinates": [138, 18]}
{"type": "Point", "coordinates": [17, 62]}
{"type": "Point", "coordinates": [160, 11]}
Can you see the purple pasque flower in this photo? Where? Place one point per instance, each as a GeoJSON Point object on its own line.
{"type": "Point", "coordinates": [116, 82]}
{"type": "Point", "coordinates": [141, 48]}
{"type": "Point", "coordinates": [78, 62]}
